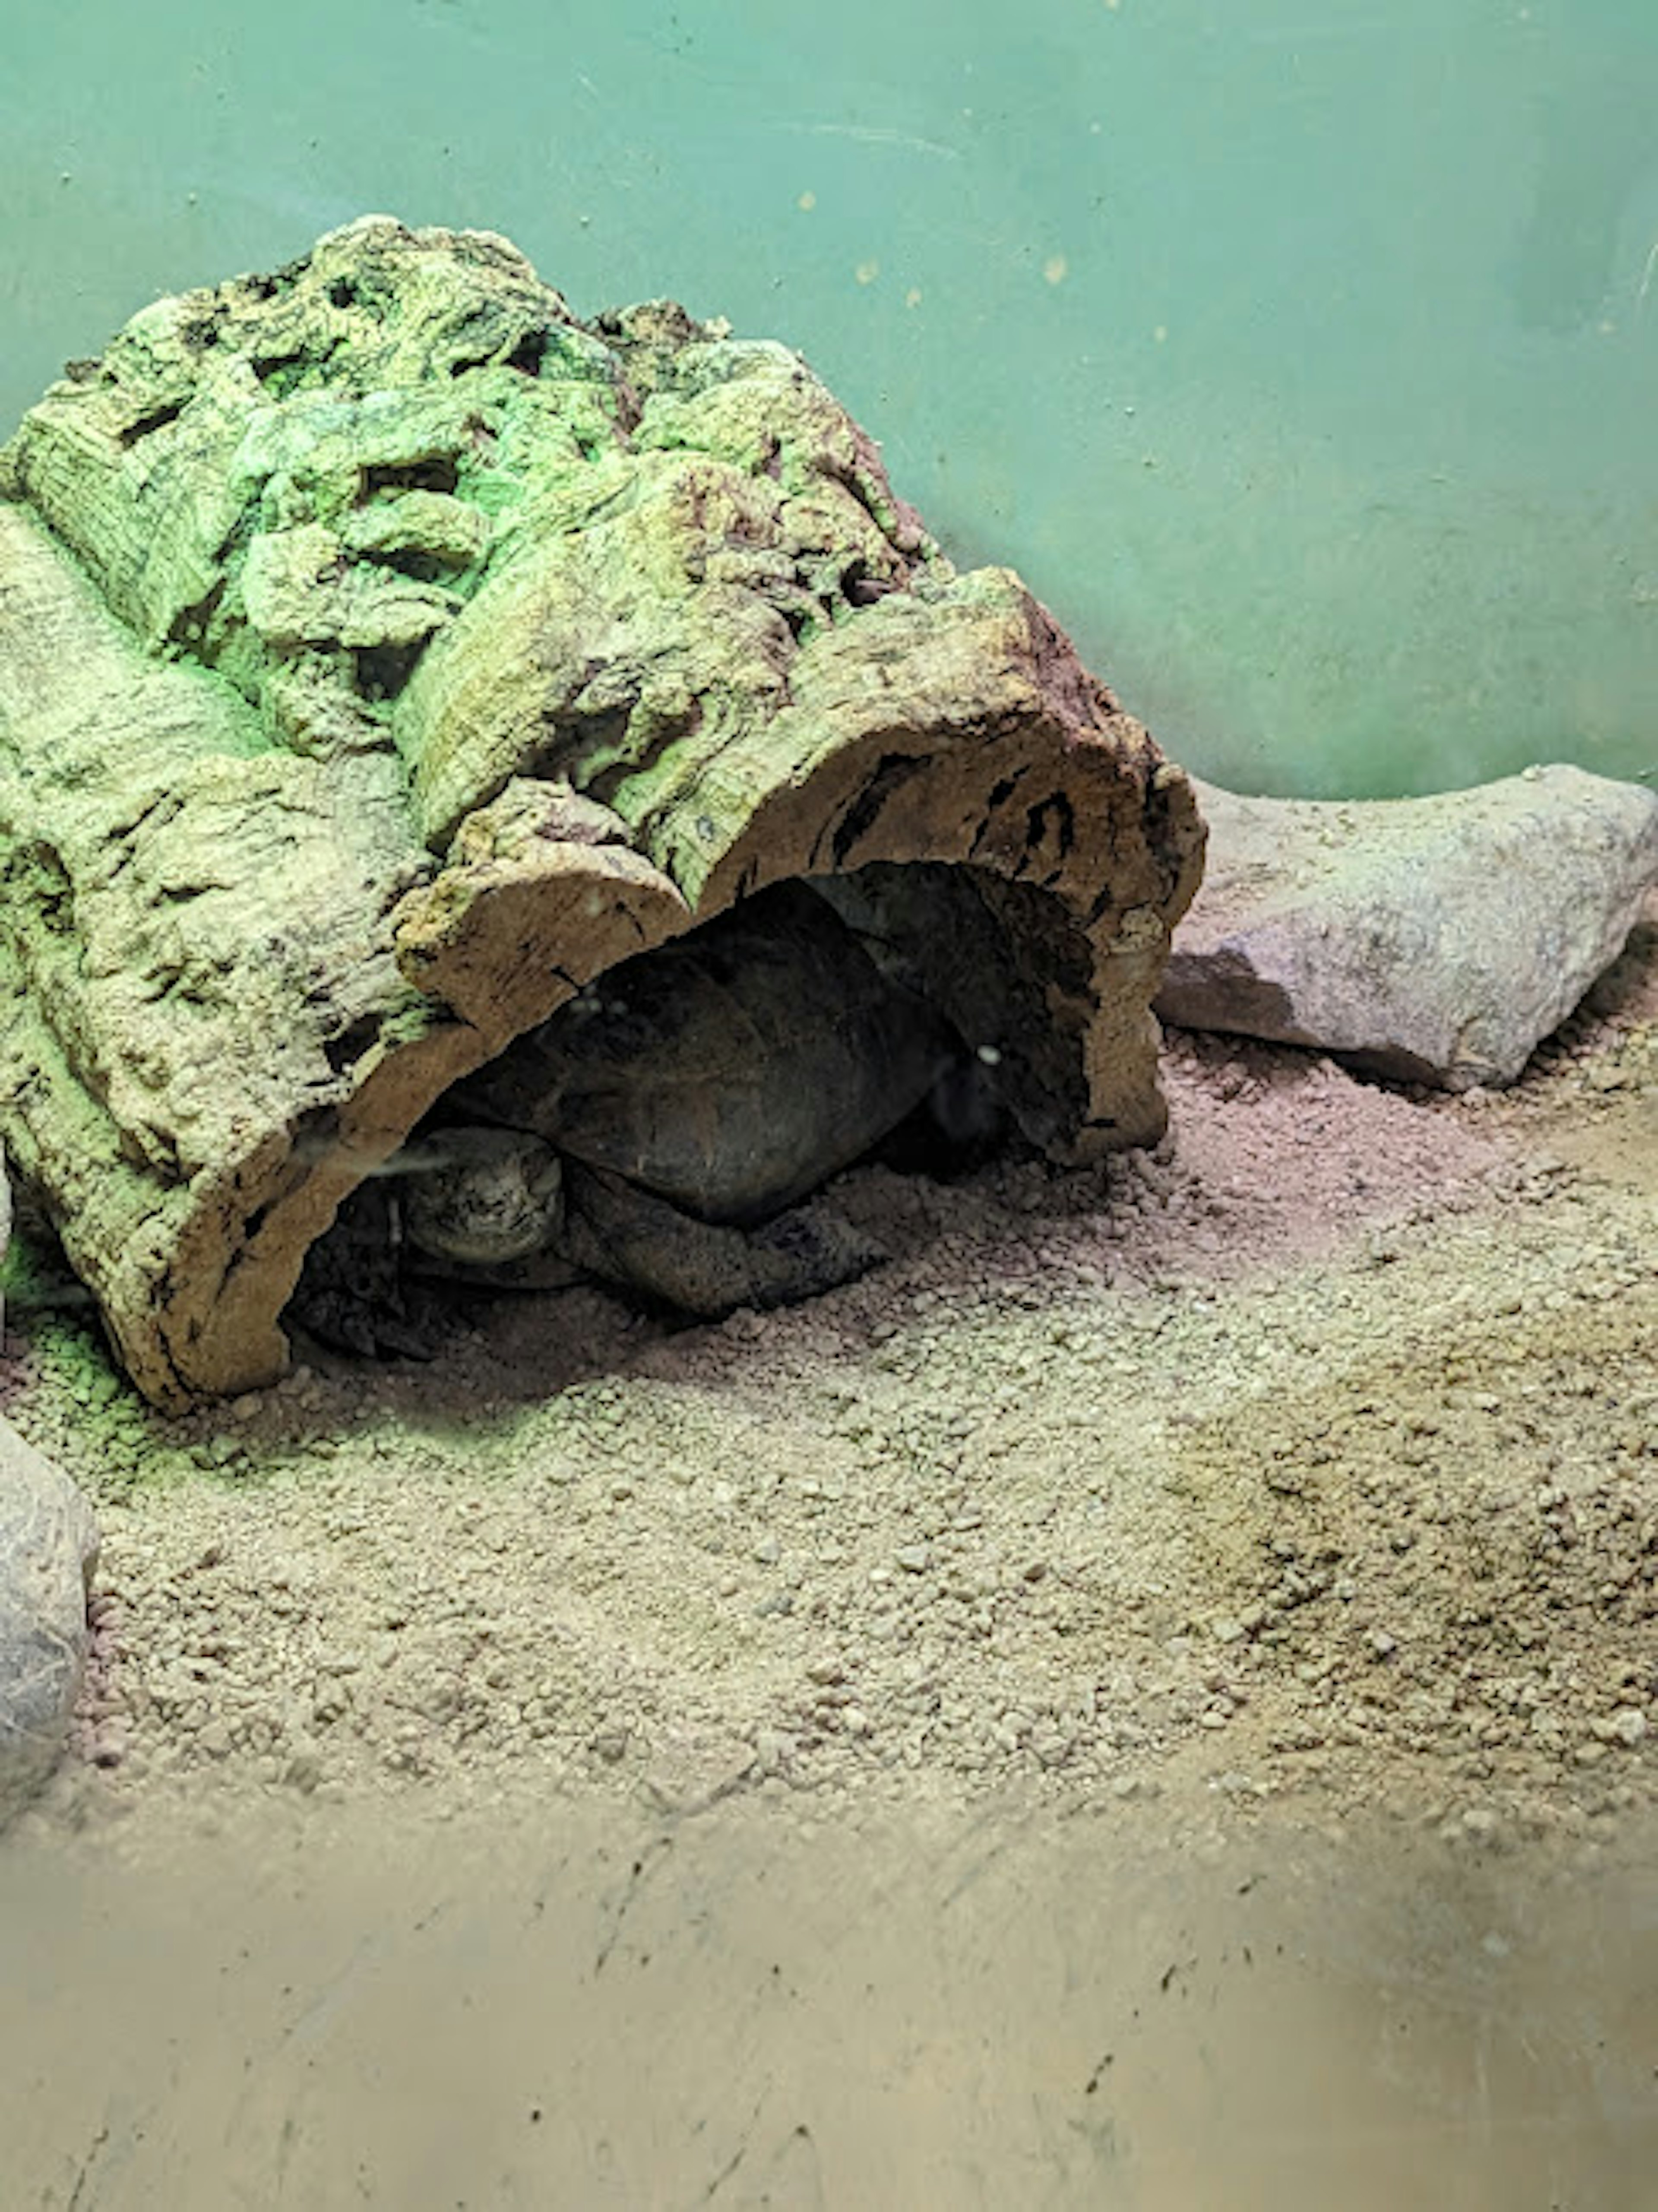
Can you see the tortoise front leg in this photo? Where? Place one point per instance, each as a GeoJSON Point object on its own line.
{"type": "Point", "coordinates": [645, 1245]}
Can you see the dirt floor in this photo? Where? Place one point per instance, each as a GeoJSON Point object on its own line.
{"type": "Point", "coordinates": [1285, 1500]}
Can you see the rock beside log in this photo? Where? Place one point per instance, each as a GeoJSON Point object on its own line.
{"type": "Point", "coordinates": [1433, 940]}
{"type": "Point", "coordinates": [385, 651]}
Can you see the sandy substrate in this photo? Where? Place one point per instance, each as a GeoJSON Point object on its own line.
{"type": "Point", "coordinates": [974, 2012]}
{"type": "Point", "coordinates": [1312, 1460]}
{"type": "Point", "coordinates": [1150, 1700]}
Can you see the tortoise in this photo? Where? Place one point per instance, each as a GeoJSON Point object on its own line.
{"type": "Point", "coordinates": [664, 1131]}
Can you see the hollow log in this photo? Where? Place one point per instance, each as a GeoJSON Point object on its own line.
{"type": "Point", "coordinates": [385, 652]}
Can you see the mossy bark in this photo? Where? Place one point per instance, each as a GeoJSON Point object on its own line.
{"type": "Point", "coordinates": [384, 653]}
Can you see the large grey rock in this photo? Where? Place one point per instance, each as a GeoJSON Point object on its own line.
{"type": "Point", "coordinates": [1434, 940]}
{"type": "Point", "coordinates": [48, 1548]}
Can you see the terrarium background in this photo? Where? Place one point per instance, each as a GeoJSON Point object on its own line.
{"type": "Point", "coordinates": [1299, 358]}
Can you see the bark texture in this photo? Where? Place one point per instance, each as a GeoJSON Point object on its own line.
{"type": "Point", "coordinates": [385, 652]}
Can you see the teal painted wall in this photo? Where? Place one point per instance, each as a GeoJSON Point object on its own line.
{"type": "Point", "coordinates": [1301, 353]}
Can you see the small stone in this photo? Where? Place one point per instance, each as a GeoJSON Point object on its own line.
{"type": "Point", "coordinates": [766, 1551]}
{"type": "Point", "coordinates": [109, 1743]}
{"type": "Point", "coordinates": [914, 1558]}
{"type": "Point", "coordinates": [303, 1772]}
{"type": "Point", "coordinates": [771, 1748]}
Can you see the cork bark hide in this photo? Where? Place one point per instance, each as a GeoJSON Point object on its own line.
{"type": "Point", "coordinates": [385, 652]}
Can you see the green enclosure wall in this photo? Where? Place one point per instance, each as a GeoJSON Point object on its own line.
{"type": "Point", "coordinates": [1300, 352]}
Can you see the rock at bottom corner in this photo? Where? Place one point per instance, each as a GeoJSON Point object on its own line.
{"type": "Point", "coordinates": [48, 1549]}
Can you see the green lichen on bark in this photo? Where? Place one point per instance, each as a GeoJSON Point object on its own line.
{"type": "Point", "coordinates": [385, 650]}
